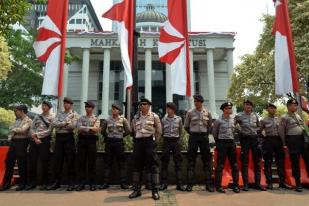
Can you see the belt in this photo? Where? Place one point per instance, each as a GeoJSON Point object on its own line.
{"type": "Point", "coordinates": [198, 133]}
{"type": "Point", "coordinates": [113, 140]}
{"type": "Point", "coordinates": [64, 134]}
{"type": "Point", "coordinates": [85, 136]}
{"type": "Point", "coordinates": [249, 135]}
{"type": "Point", "coordinates": [142, 139]}
{"type": "Point", "coordinates": [171, 139]}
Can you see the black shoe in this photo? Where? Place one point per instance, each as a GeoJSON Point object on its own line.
{"type": "Point", "coordinates": [104, 186]}
{"type": "Point", "coordinates": [5, 187]}
{"type": "Point", "coordinates": [283, 185]}
{"type": "Point", "coordinates": [80, 187]}
{"type": "Point", "coordinates": [269, 186]}
{"type": "Point", "coordinates": [30, 187]}
{"type": "Point", "coordinates": [54, 186]}
{"type": "Point", "coordinates": [124, 186]}
{"type": "Point", "coordinates": [43, 188]}
{"type": "Point", "coordinates": [180, 187]}
{"type": "Point", "coordinates": [246, 187]}
{"type": "Point", "coordinates": [70, 188]}
{"type": "Point", "coordinates": [298, 188]}
{"type": "Point", "coordinates": [259, 187]}
{"type": "Point", "coordinates": [20, 187]}
{"type": "Point", "coordinates": [135, 194]}
{"type": "Point", "coordinates": [155, 195]}
{"type": "Point", "coordinates": [236, 189]}
{"type": "Point", "coordinates": [220, 190]}
{"type": "Point", "coordinates": [93, 188]}
{"type": "Point", "coordinates": [210, 188]}
{"type": "Point", "coordinates": [189, 188]}
{"type": "Point", "coordinates": [163, 187]}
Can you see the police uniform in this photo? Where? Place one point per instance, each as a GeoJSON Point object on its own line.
{"type": "Point", "coordinates": [65, 123]}
{"type": "Point", "coordinates": [272, 146]}
{"type": "Point", "coordinates": [223, 132]}
{"type": "Point", "coordinates": [249, 140]}
{"type": "Point", "coordinates": [291, 129]}
{"type": "Point", "coordinates": [171, 131]}
{"type": "Point", "coordinates": [41, 127]}
{"type": "Point", "coordinates": [198, 125]}
{"type": "Point", "coordinates": [114, 130]}
{"type": "Point", "coordinates": [19, 140]}
{"type": "Point", "coordinates": [87, 148]}
{"type": "Point", "coordinates": [146, 129]}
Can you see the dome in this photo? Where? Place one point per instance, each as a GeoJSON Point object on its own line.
{"type": "Point", "coordinates": [150, 15]}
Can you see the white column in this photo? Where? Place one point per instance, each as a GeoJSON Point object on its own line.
{"type": "Point", "coordinates": [105, 83]}
{"type": "Point", "coordinates": [230, 64]}
{"type": "Point", "coordinates": [189, 14]}
{"type": "Point", "coordinates": [168, 82]}
{"type": "Point", "coordinates": [148, 80]}
{"type": "Point", "coordinates": [191, 100]}
{"type": "Point", "coordinates": [65, 80]}
{"type": "Point", "coordinates": [85, 78]}
{"type": "Point", "coordinates": [211, 82]}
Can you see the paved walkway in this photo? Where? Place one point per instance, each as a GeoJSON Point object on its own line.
{"type": "Point", "coordinates": [117, 197]}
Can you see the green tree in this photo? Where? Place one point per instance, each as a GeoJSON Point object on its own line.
{"type": "Point", "coordinates": [5, 62]}
{"type": "Point", "coordinates": [254, 78]}
{"type": "Point", "coordinates": [24, 83]}
{"type": "Point", "coordinates": [12, 11]}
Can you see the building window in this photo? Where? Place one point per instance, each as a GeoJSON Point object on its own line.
{"type": "Point", "coordinates": [72, 21]}
{"type": "Point", "coordinates": [78, 21]}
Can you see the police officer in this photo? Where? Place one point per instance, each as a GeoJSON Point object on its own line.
{"type": "Point", "coordinates": [19, 140]}
{"type": "Point", "coordinates": [172, 130]}
{"type": "Point", "coordinates": [146, 127]}
{"type": "Point", "coordinates": [272, 146]}
{"type": "Point", "coordinates": [64, 123]}
{"type": "Point", "coordinates": [198, 124]}
{"type": "Point", "coordinates": [88, 128]}
{"type": "Point", "coordinates": [249, 140]}
{"type": "Point", "coordinates": [291, 128]}
{"type": "Point", "coordinates": [223, 132]}
{"type": "Point", "coordinates": [114, 129]}
{"type": "Point", "coordinates": [39, 150]}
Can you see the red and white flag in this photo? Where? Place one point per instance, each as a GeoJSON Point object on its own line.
{"type": "Point", "coordinates": [174, 46]}
{"type": "Point", "coordinates": [123, 13]}
{"type": "Point", "coordinates": [285, 63]}
{"type": "Point", "coordinates": [50, 46]}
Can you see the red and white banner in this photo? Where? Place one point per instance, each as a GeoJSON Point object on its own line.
{"type": "Point", "coordinates": [174, 46]}
{"type": "Point", "coordinates": [50, 46]}
{"type": "Point", "coordinates": [123, 13]}
{"type": "Point", "coordinates": [285, 63]}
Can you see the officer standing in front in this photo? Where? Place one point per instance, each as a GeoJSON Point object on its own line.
{"type": "Point", "coordinates": [39, 150]}
{"type": "Point", "coordinates": [114, 129]}
{"type": "Point", "coordinates": [198, 124]}
{"type": "Point", "coordinates": [249, 140]}
{"type": "Point", "coordinates": [291, 128]}
{"type": "Point", "coordinates": [88, 129]}
{"type": "Point", "coordinates": [19, 140]}
{"type": "Point", "coordinates": [146, 127]}
{"type": "Point", "coordinates": [172, 130]}
{"type": "Point", "coordinates": [272, 146]}
{"type": "Point", "coordinates": [64, 123]}
{"type": "Point", "coordinates": [223, 132]}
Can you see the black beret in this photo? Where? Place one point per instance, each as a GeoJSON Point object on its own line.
{"type": "Point", "coordinates": [198, 98]}
{"type": "Point", "coordinates": [271, 105]}
{"type": "Point", "coordinates": [68, 100]}
{"type": "Point", "coordinates": [226, 104]}
{"type": "Point", "coordinates": [248, 102]}
{"type": "Point", "coordinates": [22, 107]}
{"type": "Point", "coordinates": [49, 104]}
{"type": "Point", "coordinates": [116, 106]}
{"type": "Point", "coordinates": [89, 103]}
{"type": "Point", "coordinates": [143, 99]}
{"type": "Point", "coordinates": [292, 101]}
{"type": "Point", "coordinates": [171, 105]}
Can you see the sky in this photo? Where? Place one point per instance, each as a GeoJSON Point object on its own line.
{"type": "Point", "coordinates": [240, 16]}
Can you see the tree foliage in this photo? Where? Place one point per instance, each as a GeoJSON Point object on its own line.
{"type": "Point", "coordinates": [254, 78]}
{"type": "Point", "coordinates": [5, 62]}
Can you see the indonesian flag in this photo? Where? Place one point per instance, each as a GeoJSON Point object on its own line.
{"type": "Point", "coordinates": [50, 46]}
{"type": "Point", "coordinates": [174, 46]}
{"type": "Point", "coordinates": [123, 13]}
{"type": "Point", "coordinates": [285, 63]}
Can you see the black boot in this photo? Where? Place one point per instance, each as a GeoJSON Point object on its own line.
{"type": "Point", "coordinates": [106, 180]}
{"type": "Point", "coordinates": [283, 185]}
{"type": "Point", "coordinates": [210, 188]}
{"type": "Point", "coordinates": [6, 186]}
{"type": "Point", "coordinates": [189, 188]}
{"type": "Point", "coordinates": [148, 181]}
{"type": "Point", "coordinates": [180, 187]}
{"type": "Point", "coordinates": [54, 186]}
{"type": "Point", "coordinates": [70, 187]}
{"type": "Point", "coordinates": [80, 187]}
{"type": "Point", "coordinates": [163, 187]}
{"type": "Point", "coordinates": [30, 187]}
{"type": "Point", "coordinates": [245, 187]}
{"type": "Point", "coordinates": [236, 188]}
{"type": "Point", "coordinates": [155, 194]}
{"type": "Point", "coordinates": [136, 186]}
{"type": "Point", "coordinates": [220, 189]}
{"type": "Point", "coordinates": [269, 186]}
{"type": "Point", "coordinates": [21, 187]}
{"type": "Point", "coordinates": [259, 187]}
{"type": "Point", "coordinates": [92, 187]}
{"type": "Point", "coordinates": [104, 186]}
{"type": "Point", "coordinates": [43, 188]}
{"type": "Point", "coordinates": [298, 187]}
{"type": "Point", "coordinates": [124, 186]}
{"type": "Point", "coordinates": [136, 193]}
